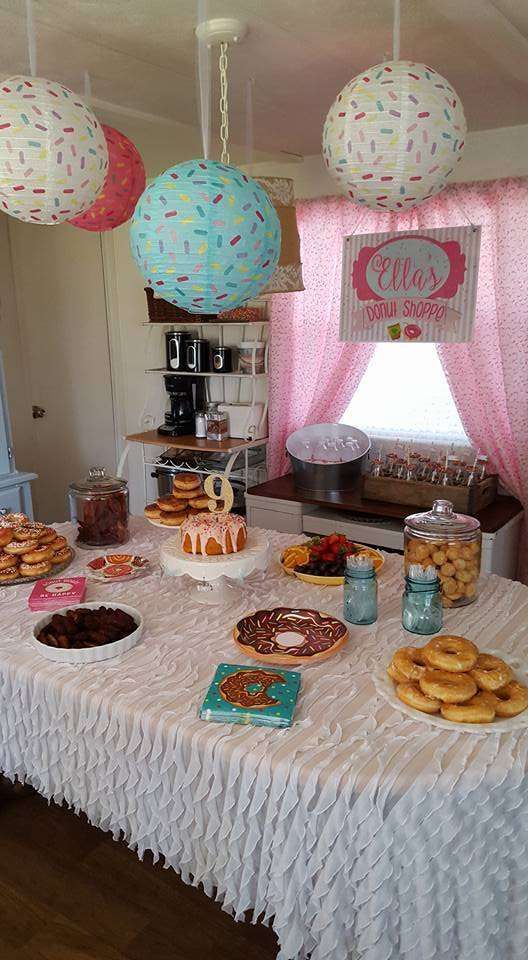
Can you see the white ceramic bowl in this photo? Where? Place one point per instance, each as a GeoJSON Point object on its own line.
{"type": "Point", "coordinates": [90, 654]}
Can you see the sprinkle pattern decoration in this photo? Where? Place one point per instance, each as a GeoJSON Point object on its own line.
{"type": "Point", "coordinates": [394, 135]}
{"type": "Point", "coordinates": [205, 236]}
{"type": "Point", "coordinates": [53, 153]}
{"type": "Point", "coordinates": [123, 186]}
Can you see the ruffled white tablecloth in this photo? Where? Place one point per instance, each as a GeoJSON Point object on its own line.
{"type": "Point", "coordinates": [359, 831]}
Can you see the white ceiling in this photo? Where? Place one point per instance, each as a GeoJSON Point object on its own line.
{"type": "Point", "coordinates": [141, 54]}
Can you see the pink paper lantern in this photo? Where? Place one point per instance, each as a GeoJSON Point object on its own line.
{"type": "Point", "coordinates": [124, 184]}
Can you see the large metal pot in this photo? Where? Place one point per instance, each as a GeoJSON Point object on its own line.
{"type": "Point", "coordinates": [327, 456]}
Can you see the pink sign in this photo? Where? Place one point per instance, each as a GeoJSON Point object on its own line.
{"type": "Point", "coordinates": [418, 285]}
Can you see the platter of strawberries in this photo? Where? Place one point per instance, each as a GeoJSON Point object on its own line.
{"type": "Point", "coordinates": [322, 560]}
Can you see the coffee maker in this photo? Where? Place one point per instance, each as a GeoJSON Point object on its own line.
{"type": "Point", "coordinates": [186, 395]}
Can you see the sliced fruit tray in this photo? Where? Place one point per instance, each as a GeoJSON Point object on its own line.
{"type": "Point", "coordinates": [322, 560]}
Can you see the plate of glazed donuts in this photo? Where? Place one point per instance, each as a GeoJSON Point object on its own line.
{"type": "Point", "coordinates": [30, 550]}
{"type": "Point", "coordinates": [450, 683]}
{"type": "Point", "coordinates": [187, 499]}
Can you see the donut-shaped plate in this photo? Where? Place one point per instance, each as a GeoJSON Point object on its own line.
{"type": "Point", "coordinates": [288, 635]}
{"type": "Point", "coordinates": [387, 689]}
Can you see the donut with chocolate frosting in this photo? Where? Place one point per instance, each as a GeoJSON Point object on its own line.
{"type": "Point", "coordinates": [258, 635]}
{"type": "Point", "coordinates": [235, 690]}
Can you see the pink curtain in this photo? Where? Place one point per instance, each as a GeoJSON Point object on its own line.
{"type": "Point", "coordinates": [313, 375]}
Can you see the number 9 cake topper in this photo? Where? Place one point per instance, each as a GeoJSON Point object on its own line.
{"type": "Point", "coordinates": [226, 493]}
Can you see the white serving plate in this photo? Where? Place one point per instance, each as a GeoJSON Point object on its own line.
{"type": "Point", "coordinates": [161, 526]}
{"type": "Point", "coordinates": [90, 654]}
{"type": "Point", "coordinates": [385, 687]}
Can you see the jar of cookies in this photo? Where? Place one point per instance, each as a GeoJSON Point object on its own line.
{"type": "Point", "coordinates": [452, 543]}
{"type": "Point", "coordinates": [99, 509]}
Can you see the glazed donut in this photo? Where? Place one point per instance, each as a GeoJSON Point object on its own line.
{"type": "Point", "coordinates": [171, 505]}
{"type": "Point", "coordinates": [58, 543]}
{"type": "Point", "coordinates": [395, 674]}
{"type": "Point", "coordinates": [13, 519]}
{"type": "Point", "coordinates": [172, 519]}
{"type": "Point", "coordinates": [454, 654]}
{"type": "Point", "coordinates": [7, 576]}
{"type": "Point", "coordinates": [152, 511]}
{"type": "Point", "coordinates": [234, 688]}
{"type": "Point", "coordinates": [38, 555]}
{"type": "Point", "coordinates": [199, 503]}
{"type": "Point", "coordinates": [29, 531]}
{"type": "Point", "coordinates": [410, 662]}
{"type": "Point", "coordinates": [17, 548]}
{"type": "Point", "coordinates": [6, 535]}
{"type": "Point", "coordinates": [258, 635]}
{"type": "Point", "coordinates": [46, 535]}
{"type": "Point", "coordinates": [184, 495]}
{"type": "Point", "coordinates": [61, 556]}
{"type": "Point", "coordinates": [411, 694]}
{"type": "Point", "coordinates": [490, 673]}
{"type": "Point", "coordinates": [186, 481]}
{"type": "Point", "coordinates": [35, 569]}
{"type": "Point", "coordinates": [511, 699]}
{"type": "Point", "coordinates": [478, 709]}
{"type": "Point", "coordinates": [7, 561]}
{"type": "Point", "coordinates": [447, 686]}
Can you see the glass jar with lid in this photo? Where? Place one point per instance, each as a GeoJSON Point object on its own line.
{"type": "Point", "coordinates": [99, 509]}
{"type": "Point", "coordinates": [216, 422]}
{"type": "Point", "coordinates": [452, 543]}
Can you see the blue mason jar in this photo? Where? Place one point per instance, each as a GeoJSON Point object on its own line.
{"type": "Point", "coordinates": [360, 602]}
{"type": "Point", "coordinates": [422, 606]}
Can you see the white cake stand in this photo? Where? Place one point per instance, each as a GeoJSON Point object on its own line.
{"type": "Point", "coordinates": [214, 573]}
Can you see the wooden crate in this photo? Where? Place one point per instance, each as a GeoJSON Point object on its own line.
{"type": "Point", "coordinates": [415, 493]}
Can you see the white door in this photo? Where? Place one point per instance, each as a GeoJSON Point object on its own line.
{"type": "Point", "coordinates": [62, 318]}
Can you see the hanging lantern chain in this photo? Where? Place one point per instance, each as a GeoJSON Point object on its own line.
{"type": "Point", "coordinates": [224, 105]}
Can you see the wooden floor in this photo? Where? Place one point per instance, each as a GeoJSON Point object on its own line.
{"type": "Point", "coordinates": [70, 892]}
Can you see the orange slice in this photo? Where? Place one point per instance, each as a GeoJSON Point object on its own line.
{"type": "Point", "coordinates": [295, 556]}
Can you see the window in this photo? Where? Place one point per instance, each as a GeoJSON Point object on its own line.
{"type": "Point", "coordinates": [404, 393]}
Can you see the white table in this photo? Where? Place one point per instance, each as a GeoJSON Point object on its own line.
{"type": "Point", "coordinates": [358, 830]}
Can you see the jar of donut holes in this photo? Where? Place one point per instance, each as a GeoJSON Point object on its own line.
{"type": "Point", "coordinates": [452, 543]}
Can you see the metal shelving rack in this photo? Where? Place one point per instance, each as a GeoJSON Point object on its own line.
{"type": "Point", "coordinates": [257, 330]}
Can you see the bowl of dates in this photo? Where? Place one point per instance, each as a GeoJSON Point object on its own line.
{"type": "Point", "coordinates": [87, 632]}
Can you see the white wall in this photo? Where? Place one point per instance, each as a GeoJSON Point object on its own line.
{"type": "Point", "coordinates": [488, 155]}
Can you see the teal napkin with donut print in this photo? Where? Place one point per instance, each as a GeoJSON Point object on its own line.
{"type": "Point", "coordinates": [257, 695]}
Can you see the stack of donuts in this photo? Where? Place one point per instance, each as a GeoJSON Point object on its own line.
{"type": "Point", "coordinates": [187, 499]}
{"type": "Point", "coordinates": [450, 676]}
{"type": "Point", "coordinates": [29, 549]}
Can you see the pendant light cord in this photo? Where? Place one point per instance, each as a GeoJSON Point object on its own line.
{"type": "Point", "coordinates": [224, 105]}
{"type": "Point", "coordinates": [31, 41]}
{"type": "Point", "coordinates": [396, 31]}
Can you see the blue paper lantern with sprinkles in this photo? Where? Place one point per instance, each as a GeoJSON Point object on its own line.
{"type": "Point", "coordinates": [205, 236]}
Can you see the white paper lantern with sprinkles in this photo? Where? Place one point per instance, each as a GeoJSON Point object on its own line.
{"type": "Point", "coordinates": [394, 135]}
{"type": "Point", "coordinates": [205, 236]}
{"type": "Point", "coordinates": [53, 153]}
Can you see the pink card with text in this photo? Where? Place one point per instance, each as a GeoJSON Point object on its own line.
{"type": "Point", "coordinates": [52, 594]}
